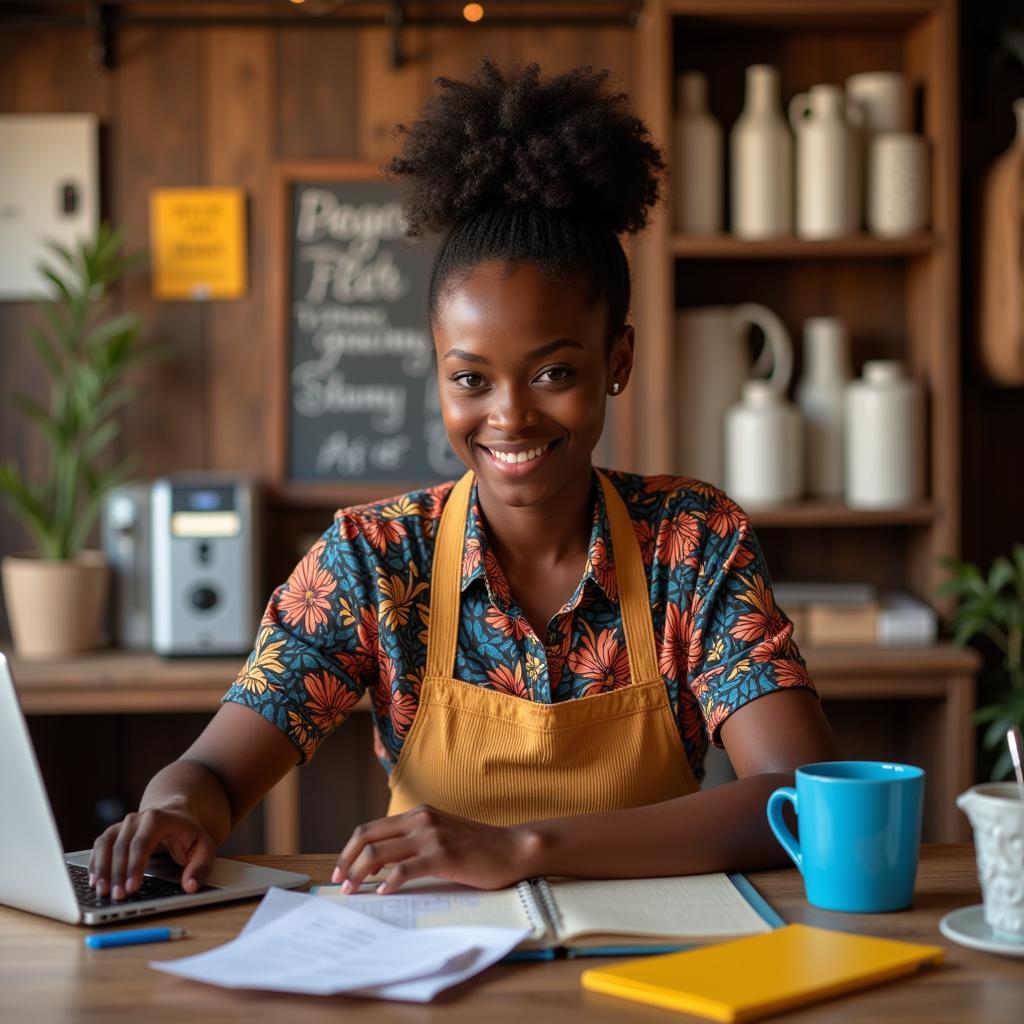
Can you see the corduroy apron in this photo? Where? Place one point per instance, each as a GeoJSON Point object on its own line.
{"type": "Point", "coordinates": [502, 760]}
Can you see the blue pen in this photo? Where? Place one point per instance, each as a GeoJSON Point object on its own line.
{"type": "Point", "coordinates": [133, 938]}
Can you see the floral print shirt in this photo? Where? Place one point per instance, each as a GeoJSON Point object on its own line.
{"type": "Point", "coordinates": [353, 616]}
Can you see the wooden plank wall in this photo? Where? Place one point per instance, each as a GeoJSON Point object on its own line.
{"type": "Point", "coordinates": [216, 106]}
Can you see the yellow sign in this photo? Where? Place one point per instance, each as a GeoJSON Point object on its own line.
{"type": "Point", "coordinates": [198, 239]}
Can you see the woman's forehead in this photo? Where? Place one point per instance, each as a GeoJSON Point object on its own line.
{"type": "Point", "coordinates": [503, 299]}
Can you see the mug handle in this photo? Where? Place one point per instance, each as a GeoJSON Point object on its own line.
{"type": "Point", "coordinates": [799, 108]}
{"type": "Point", "coordinates": [780, 828]}
{"type": "Point", "coordinates": [777, 353]}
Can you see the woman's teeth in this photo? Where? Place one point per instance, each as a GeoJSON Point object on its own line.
{"type": "Point", "coordinates": [511, 457]}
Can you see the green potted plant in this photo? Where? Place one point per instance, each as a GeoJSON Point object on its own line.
{"type": "Point", "coordinates": [992, 606]}
{"type": "Point", "coordinates": [55, 595]}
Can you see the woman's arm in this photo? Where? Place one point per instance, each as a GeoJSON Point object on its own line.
{"type": "Point", "coordinates": [720, 829]}
{"type": "Point", "coordinates": [191, 806]}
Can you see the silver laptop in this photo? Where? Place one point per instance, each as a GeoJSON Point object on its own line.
{"type": "Point", "coordinates": [35, 873]}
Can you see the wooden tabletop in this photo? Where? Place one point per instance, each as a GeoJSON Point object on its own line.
{"type": "Point", "coordinates": [47, 974]}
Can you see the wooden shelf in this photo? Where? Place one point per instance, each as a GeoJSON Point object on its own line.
{"type": "Point", "coordinates": [896, 14]}
{"type": "Point", "coordinates": [836, 514]}
{"type": "Point", "coordinates": [725, 247]}
{"type": "Point", "coordinates": [131, 682]}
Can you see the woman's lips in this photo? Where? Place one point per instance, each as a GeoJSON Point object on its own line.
{"type": "Point", "coordinates": [517, 469]}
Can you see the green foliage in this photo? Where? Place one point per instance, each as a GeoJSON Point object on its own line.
{"type": "Point", "coordinates": [87, 354]}
{"type": "Point", "coordinates": [992, 606]}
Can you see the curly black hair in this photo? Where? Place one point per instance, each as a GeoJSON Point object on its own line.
{"type": "Point", "coordinates": [522, 170]}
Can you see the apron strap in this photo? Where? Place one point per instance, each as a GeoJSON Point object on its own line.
{"type": "Point", "coordinates": [446, 579]}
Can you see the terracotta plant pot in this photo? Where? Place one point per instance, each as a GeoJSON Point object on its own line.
{"type": "Point", "coordinates": [55, 608]}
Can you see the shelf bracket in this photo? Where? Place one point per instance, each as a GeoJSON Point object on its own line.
{"type": "Point", "coordinates": [395, 21]}
{"type": "Point", "coordinates": [101, 19]}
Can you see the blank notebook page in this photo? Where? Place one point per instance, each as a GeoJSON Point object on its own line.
{"type": "Point", "coordinates": [695, 906]}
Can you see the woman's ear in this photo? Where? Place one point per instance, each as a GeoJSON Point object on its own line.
{"type": "Point", "coordinates": [620, 358]}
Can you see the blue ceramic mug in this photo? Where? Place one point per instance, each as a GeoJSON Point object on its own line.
{"type": "Point", "coordinates": [860, 829]}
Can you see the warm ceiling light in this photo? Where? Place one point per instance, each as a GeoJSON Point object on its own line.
{"type": "Point", "coordinates": [473, 12]}
{"type": "Point", "coordinates": [297, 2]}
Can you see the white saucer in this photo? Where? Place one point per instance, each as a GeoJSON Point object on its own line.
{"type": "Point", "coordinates": [968, 927]}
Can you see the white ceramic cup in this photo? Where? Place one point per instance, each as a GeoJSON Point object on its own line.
{"type": "Point", "coordinates": [898, 186]}
{"type": "Point", "coordinates": [884, 98]}
{"type": "Point", "coordinates": [996, 813]}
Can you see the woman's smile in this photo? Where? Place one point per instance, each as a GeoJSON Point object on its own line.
{"type": "Point", "coordinates": [517, 461]}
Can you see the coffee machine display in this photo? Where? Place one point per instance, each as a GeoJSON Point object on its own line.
{"type": "Point", "coordinates": [205, 580]}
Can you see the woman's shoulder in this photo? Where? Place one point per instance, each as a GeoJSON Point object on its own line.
{"type": "Point", "coordinates": [663, 495]}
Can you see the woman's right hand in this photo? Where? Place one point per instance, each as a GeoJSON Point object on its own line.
{"type": "Point", "coordinates": [120, 854]}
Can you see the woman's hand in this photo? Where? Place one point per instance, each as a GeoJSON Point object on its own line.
{"type": "Point", "coordinates": [426, 841]}
{"type": "Point", "coordinates": [119, 856]}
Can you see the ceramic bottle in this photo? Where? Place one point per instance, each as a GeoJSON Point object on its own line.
{"type": "Point", "coordinates": [823, 121]}
{"type": "Point", "coordinates": [884, 438]}
{"type": "Point", "coordinates": [898, 184]}
{"type": "Point", "coordinates": [761, 157]}
{"type": "Point", "coordinates": [763, 448]}
{"type": "Point", "coordinates": [819, 396]}
{"type": "Point", "coordinates": [696, 160]}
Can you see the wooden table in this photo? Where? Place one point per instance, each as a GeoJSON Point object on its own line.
{"type": "Point", "coordinates": [47, 974]}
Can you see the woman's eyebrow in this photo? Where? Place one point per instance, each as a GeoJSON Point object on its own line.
{"type": "Point", "coordinates": [551, 346]}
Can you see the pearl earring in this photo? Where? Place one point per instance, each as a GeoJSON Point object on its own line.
{"type": "Point", "coordinates": [616, 388]}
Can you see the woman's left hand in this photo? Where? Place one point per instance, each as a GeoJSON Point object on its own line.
{"type": "Point", "coordinates": [426, 841]}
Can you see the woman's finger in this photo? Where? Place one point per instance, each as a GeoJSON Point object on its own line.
{"type": "Point", "coordinates": [372, 832]}
{"type": "Point", "coordinates": [420, 866]}
{"type": "Point", "coordinates": [99, 859]}
{"type": "Point", "coordinates": [119, 855]}
{"type": "Point", "coordinates": [376, 855]}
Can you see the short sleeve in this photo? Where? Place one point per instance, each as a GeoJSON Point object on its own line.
{"type": "Point", "coordinates": [746, 640]}
{"type": "Point", "coordinates": [316, 649]}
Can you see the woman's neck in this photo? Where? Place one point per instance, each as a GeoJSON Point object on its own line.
{"type": "Point", "coordinates": [543, 536]}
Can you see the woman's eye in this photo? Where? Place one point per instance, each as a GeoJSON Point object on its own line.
{"type": "Point", "coordinates": [470, 381]}
{"type": "Point", "coordinates": [556, 374]}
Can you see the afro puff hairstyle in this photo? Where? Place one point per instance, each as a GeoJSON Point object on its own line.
{"type": "Point", "coordinates": [519, 170]}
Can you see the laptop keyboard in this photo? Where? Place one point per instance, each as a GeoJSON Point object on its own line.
{"type": "Point", "coordinates": [151, 889]}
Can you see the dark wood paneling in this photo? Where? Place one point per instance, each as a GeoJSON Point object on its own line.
{"type": "Point", "coordinates": [156, 142]}
{"type": "Point", "coordinates": [316, 94]}
{"type": "Point", "coordinates": [237, 146]}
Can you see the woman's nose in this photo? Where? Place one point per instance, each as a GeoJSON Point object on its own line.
{"type": "Point", "coordinates": [512, 410]}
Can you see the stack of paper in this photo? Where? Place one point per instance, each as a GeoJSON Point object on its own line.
{"type": "Point", "coordinates": [296, 943]}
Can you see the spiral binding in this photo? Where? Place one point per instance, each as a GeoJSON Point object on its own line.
{"type": "Point", "coordinates": [549, 907]}
{"type": "Point", "coordinates": [541, 925]}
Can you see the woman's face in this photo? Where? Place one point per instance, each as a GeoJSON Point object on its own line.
{"type": "Point", "coordinates": [524, 371]}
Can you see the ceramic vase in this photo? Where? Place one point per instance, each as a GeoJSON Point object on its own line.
{"type": "Point", "coordinates": [823, 121]}
{"type": "Point", "coordinates": [898, 187]}
{"type": "Point", "coordinates": [884, 438]}
{"type": "Point", "coordinates": [761, 156]}
{"type": "Point", "coordinates": [696, 160]}
{"type": "Point", "coordinates": [763, 448]}
{"type": "Point", "coordinates": [714, 358]}
{"type": "Point", "coordinates": [819, 396]}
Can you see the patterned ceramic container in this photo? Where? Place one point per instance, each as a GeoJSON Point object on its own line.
{"type": "Point", "coordinates": [996, 812]}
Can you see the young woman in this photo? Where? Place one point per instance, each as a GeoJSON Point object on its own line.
{"type": "Point", "coordinates": [549, 647]}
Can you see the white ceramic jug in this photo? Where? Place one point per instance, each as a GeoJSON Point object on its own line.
{"type": "Point", "coordinates": [761, 157]}
{"type": "Point", "coordinates": [763, 448]}
{"type": "Point", "coordinates": [884, 438]}
{"type": "Point", "coordinates": [713, 361]}
{"type": "Point", "coordinates": [696, 160]}
{"type": "Point", "coordinates": [824, 121]}
{"type": "Point", "coordinates": [996, 813]}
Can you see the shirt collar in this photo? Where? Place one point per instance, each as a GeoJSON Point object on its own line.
{"type": "Point", "coordinates": [600, 567]}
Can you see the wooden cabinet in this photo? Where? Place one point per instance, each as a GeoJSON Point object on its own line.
{"type": "Point", "coordinates": [899, 299]}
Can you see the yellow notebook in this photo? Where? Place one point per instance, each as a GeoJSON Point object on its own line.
{"type": "Point", "coordinates": [753, 977]}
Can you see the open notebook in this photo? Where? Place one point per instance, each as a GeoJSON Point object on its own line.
{"type": "Point", "coordinates": [583, 918]}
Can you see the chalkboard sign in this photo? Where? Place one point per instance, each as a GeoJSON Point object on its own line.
{"type": "Point", "coordinates": [358, 386]}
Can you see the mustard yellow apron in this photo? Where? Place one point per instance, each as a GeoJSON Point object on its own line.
{"type": "Point", "coordinates": [499, 759]}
